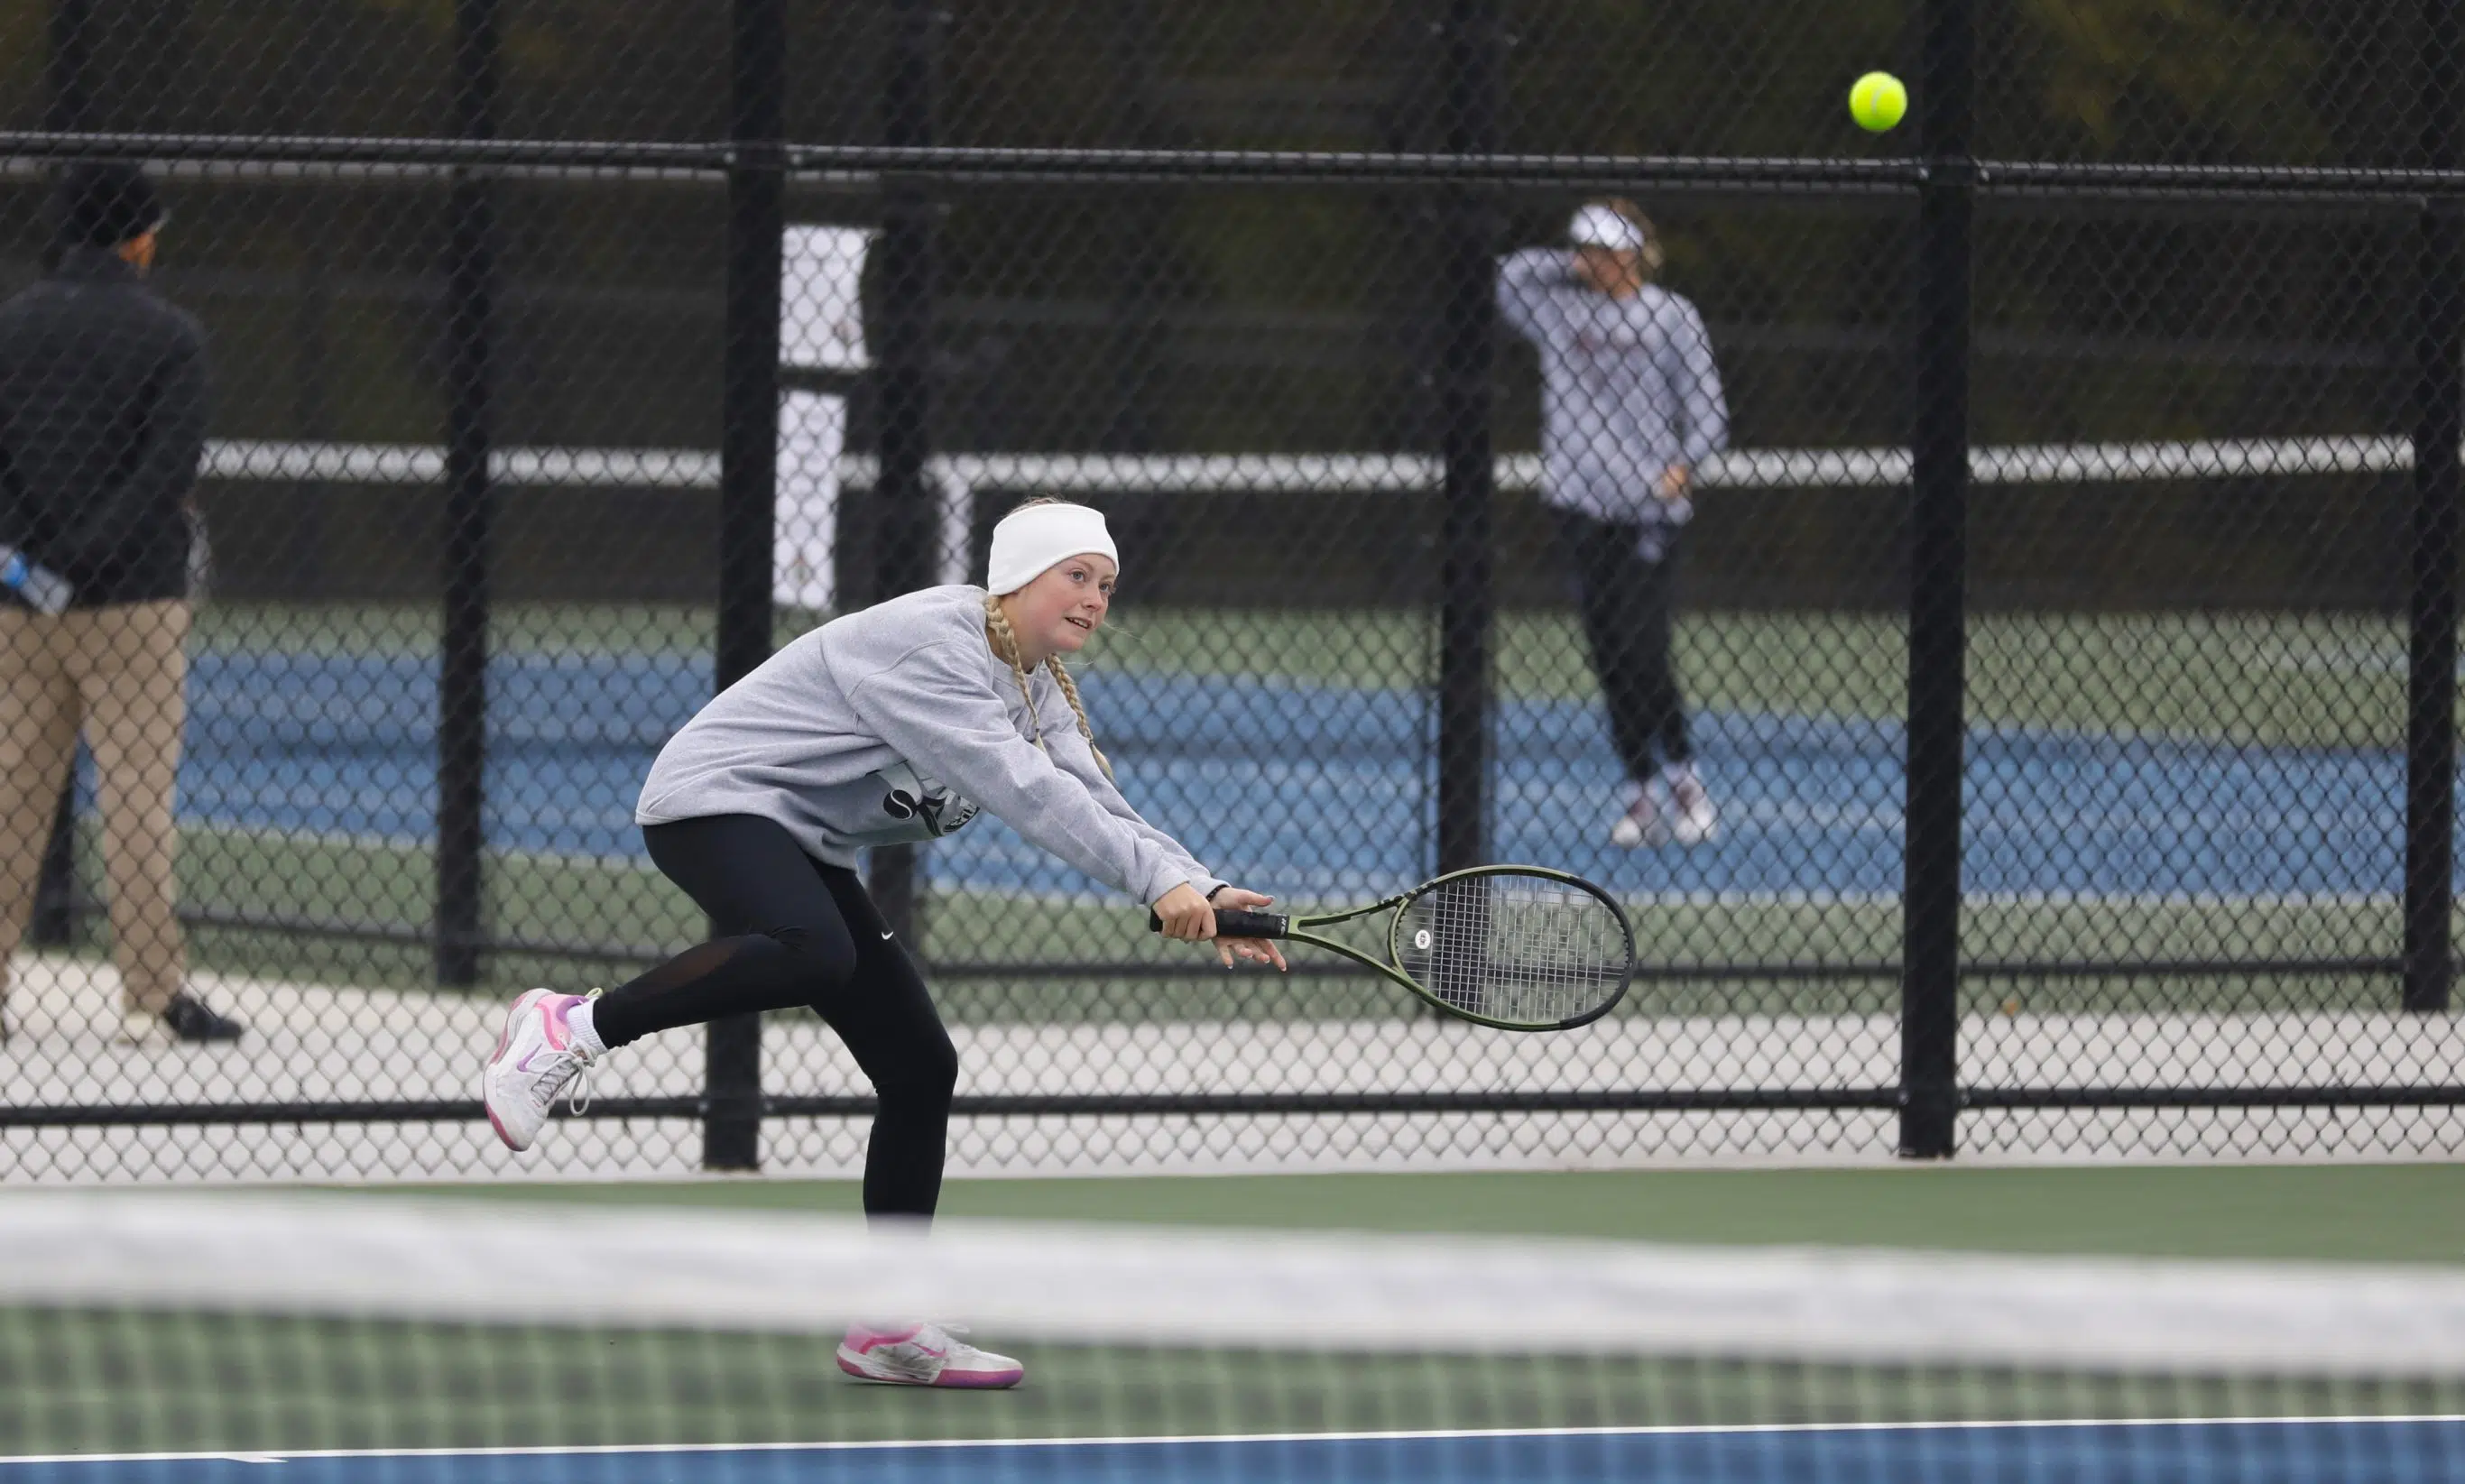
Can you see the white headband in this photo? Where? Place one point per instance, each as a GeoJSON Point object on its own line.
{"type": "Point", "coordinates": [1597, 225]}
{"type": "Point", "coordinates": [1035, 538]}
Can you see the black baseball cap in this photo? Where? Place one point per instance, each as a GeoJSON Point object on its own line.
{"type": "Point", "coordinates": [104, 202]}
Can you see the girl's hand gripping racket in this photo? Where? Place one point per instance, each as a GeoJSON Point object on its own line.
{"type": "Point", "coordinates": [1517, 947]}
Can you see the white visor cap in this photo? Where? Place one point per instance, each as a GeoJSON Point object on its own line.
{"type": "Point", "coordinates": [1033, 539]}
{"type": "Point", "coordinates": [1597, 225]}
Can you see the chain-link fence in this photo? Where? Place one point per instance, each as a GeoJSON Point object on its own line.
{"type": "Point", "coordinates": [2029, 725]}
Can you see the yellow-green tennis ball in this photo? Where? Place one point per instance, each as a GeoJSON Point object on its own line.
{"type": "Point", "coordinates": [1876, 101]}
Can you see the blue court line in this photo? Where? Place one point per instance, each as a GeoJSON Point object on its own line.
{"type": "Point", "coordinates": [2336, 1450]}
{"type": "Point", "coordinates": [1327, 792]}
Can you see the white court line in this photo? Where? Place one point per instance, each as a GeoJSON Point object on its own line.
{"type": "Point", "coordinates": [1468, 1434]}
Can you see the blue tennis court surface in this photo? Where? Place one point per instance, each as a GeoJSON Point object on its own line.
{"type": "Point", "coordinates": [1329, 791]}
{"type": "Point", "coordinates": [2410, 1450]}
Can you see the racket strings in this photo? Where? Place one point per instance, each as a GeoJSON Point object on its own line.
{"type": "Point", "coordinates": [1528, 950]}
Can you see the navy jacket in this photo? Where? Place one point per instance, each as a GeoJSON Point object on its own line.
{"type": "Point", "coordinates": [102, 417]}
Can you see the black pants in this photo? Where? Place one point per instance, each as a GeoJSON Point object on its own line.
{"type": "Point", "coordinates": [1625, 603]}
{"type": "Point", "coordinates": [802, 933]}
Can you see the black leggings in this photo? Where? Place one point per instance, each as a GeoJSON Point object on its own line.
{"type": "Point", "coordinates": [1625, 603]}
{"type": "Point", "coordinates": [802, 933]}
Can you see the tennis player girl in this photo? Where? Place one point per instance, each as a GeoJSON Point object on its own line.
{"type": "Point", "coordinates": [888, 727]}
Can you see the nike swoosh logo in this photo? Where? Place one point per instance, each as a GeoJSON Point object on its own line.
{"type": "Point", "coordinates": [885, 938]}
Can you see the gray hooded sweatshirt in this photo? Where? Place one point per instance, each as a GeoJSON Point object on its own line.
{"type": "Point", "coordinates": [1628, 388]}
{"type": "Point", "coordinates": [896, 725]}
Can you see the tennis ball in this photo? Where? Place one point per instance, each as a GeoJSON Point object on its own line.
{"type": "Point", "coordinates": [1876, 101]}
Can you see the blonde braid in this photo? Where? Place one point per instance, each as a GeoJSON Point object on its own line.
{"type": "Point", "coordinates": [1005, 644]}
{"type": "Point", "coordinates": [1079, 709]}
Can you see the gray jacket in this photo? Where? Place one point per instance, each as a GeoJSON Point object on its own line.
{"type": "Point", "coordinates": [896, 725]}
{"type": "Point", "coordinates": [1628, 388]}
{"type": "Point", "coordinates": [102, 416]}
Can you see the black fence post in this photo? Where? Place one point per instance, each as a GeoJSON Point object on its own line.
{"type": "Point", "coordinates": [1467, 599]}
{"type": "Point", "coordinates": [2438, 427]}
{"type": "Point", "coordinates": [748, 479]}
{"type": "Point", "coordinates": [69, 69]}
{"type": "Point", "coordinates": [905, 539]}
{"type": "Point", "coordinates": [69, 75]}
{"type": "Point", "coordinates": [470, 509]}
{"type": "Point", "coordinates": [1937, 582]}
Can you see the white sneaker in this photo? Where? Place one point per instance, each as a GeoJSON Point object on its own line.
{"type": "Point", "coordinates": [1694, 820]}
{"type": "Point", "coordinates": [536, 1057]}
{"type": "Point", "coordinates": [1638, 824]}
{"type": "Point", "coordinates": [924, 1355]}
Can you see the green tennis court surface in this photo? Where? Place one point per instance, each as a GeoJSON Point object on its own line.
{"type": "Point", "coordinates": [185, 1335]}
{"type": "Point", "coordinates": [2288, 1213]}
{"type": "Point", "coordinates": [2269, 689]}
{"type": "Point", "coordinates": [2328, 679]}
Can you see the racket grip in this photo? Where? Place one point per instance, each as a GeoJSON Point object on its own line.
{"type": "Point", "coordinates": [1233, 922]}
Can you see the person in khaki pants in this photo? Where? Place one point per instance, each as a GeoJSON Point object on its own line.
{"type": "Point", "coordinates": [102, 395]}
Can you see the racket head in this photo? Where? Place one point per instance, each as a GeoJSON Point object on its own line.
{"type": "Point", "coordinates": [1517, 947]}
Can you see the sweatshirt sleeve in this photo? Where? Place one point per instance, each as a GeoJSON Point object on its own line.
{"type": "Point", "coordinates": [1077, 758]}
{"type": "Point", "coordinates": [1525, 281]}
{"type": "Point", "coordinates": [933, 708]}
{"type": "Point", "coordinates": [1703, 410]}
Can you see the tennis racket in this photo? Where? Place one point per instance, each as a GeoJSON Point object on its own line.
{"type": "Point", "coordinates": [1517, 947]}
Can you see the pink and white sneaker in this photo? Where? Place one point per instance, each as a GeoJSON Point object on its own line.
{"type": "Point", "coordinates": [1638, 822]}
{"type": "Point", "coordinates": [1693, 818]}
{"type": "Point", "coordinates": [924, 1355]}
{"type": "Point", "coordinates": [538, 1055]}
